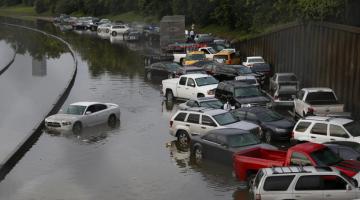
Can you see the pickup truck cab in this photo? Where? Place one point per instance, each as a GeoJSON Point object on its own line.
{"type": "Point", "coordinates": [326, 129]}
{"type": "Point", "coordinates": [283, 86]}
{"type": "Point", "coordinates": [280, 183]}
{"type": "Point", "coordinates": [250, 61]}
{"type": "Point", "coordinates": [248, 162]}
{"type": "Point", "coordinates": [227, 56]}
{"type": "Point", "coordinates": [193, 57]}
{"type": "Point", "coordinates": [316, 101]}
{"type": "Point", "coordinates": [208, 51]}
{"type": "Point", "coordinates": [190, 86]}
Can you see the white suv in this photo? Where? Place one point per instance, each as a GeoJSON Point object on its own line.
{"type": "Point", "coordinates": [119, 29]}
{"type": "Point", "coordinates": [326, 129]}
{"type": "Point", "coordinates": [313, 183]}
{"type": "Point", "coordinates": [186, 123]}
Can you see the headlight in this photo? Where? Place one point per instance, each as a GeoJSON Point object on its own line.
{"type": "Point", "coordinates": [245, 105]}
{"type": "Point", "coordinates": [66, 123]}
{"type": "Point", "coordinates": [211, 92]}
{"type": "Point", "coordinates": [280, 130]}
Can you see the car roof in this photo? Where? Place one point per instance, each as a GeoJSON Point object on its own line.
{"type": "Point", "coordinates": [84, 103]}
{"type": "Point", "coordinates": [246, 77]}
{"type": "Point", "coordinates": [196, 75]}
{"type": "Point", "coordinates": [236, 66]}
{"type": "Point", "coordinates": [254, 57]}
{"type": "Point", "coordinates": [237, 83]}
{"type": "Point", "coordinates": [255, 109]}
{"type": "Point", "coordinates": [308, 147]}
{"type": "Point", "coordinates": [196, 52]}
{"type": "Point", "coordinates": [316, 89]}
{"type": "Point", "coordinates": [335, 120]}
{"type": "Point", "coordinates": [206, 99]}
{"type": "Point", "coordinates": [228, 131]}
{"type": "Point", "coordinates": [299, 170]}
{"type": "Point", "coordinates": [285, 74]}
{"type": "Point", "coordinates": [190, 67]}
{"type": "Point", "coordinates": [208, 111]}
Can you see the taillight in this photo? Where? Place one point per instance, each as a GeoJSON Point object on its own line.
{"type": "Point", "coordinates": [257, 197]}
{"type": "Point", "coordinates": [171, 123]}
{"type": "Point", "coordinates": [310, 110]}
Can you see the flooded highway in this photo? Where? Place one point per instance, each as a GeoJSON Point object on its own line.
{"type": "Point", "coordinates": [137, 159]}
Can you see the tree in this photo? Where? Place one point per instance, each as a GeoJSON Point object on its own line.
{"type": "Point", "coordinates": [41, 6]}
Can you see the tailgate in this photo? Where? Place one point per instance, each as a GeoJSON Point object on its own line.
{"type": "Point", "coordinates": [328, 109]}
{"type": "Point", "coordinates": [287, 87]}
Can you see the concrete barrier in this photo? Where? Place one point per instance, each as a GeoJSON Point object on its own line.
{"type": "Point", "coordinates": [35, 133]}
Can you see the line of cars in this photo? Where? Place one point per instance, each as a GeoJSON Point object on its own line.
{"type": "Point", "coordinates": [322, 134]}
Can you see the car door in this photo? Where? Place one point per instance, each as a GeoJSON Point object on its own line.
{"type": "Point", "coordinates": [335, 187]}
{"type": "Point", "coordinates": [181, 88]}
{"type": "Point", "coordinates": [337, 133]}
{"type": "Point", "coordinates": [193, 122]}
{"type": "Point", "coordinates": [207, 124]}
{"type": "Point", "coordinates": [210, 146]}
{"type": "Point", "coordinates": [308, 187]}
{"type": "Point", "coordinates": [89, 118]}
{"type": "Point", "coordinates": [318, 133]}
{"type": "Point", "coordinates": [277, 187]}
{"type": "Point", "coordinates": [101, 114]}
{"type": "Point", "coordinates": [191, 92]}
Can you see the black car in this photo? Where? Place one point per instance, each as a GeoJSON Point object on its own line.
{"type": "Point", "coordinates": [190, 70]}
{"type": "Point", "coordinates": [347, 150]}
{"type": "Point", "coordinates": [229, 72]}
{"type": "Point", "coordinates": [220, 144]}
{"type": "Point", "coordinates": [209, 66]}
{"type": "Point", "coordinates": [240, 94]}
{"type": "Point", "coordinates": [162, 70]}
{"type": "Point", "coordinates": [273, 125]}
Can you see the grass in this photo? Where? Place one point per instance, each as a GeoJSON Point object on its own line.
{"type": "Point", "coordinates": [23, 12]}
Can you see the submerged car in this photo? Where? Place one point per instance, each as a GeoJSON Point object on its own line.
{"type": "Point", "coordinates": [83, 114]}
{"type": "Point", "coordinates": [205, 102]}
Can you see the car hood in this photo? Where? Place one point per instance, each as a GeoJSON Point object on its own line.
{"type": "Point", "coordinates": [208, 87]}
{"type": "Point", "coordinates": [261, 145]}
{"type": "Point", "coordinates": [348, 167]}
{"type": "Point", "coordinates": [243, 125]}
{"type": "Point", "coordinates": [62, 117]}
{"type": "Point", "coordinates": [257, 99]}
{"type": "Point", "coordinates": [283, 124]}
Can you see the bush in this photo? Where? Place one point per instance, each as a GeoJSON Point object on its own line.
{"type": "Point", "coordinates": [41, 6]}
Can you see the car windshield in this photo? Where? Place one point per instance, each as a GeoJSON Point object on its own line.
{"type": "Point", "coordinates": [212, 104]}
{"type": "Point", "coordinates": [244, 70]}
{"type": "Point", "coordinates": [353, 128]}
{"type": "Point", "coordinates": [220, 58]}
{"type": "Point", "coordinates": [287, 78]}
{"type": "Point", "coordinates": [195, 71]}
{"type": "Point", "coordinates": [75, 110]}
{"type": "Point", "coordinates": [195, 57]}
{"type": "Point", "coordinates": [325, 157]}
{"type": "Point", "coordinates": [247, 92]}
{"type": "Point", "coordinates": [208, 80]}
{"type": "Point", "coordinates": [269, 116]}
{"type": "Point", "coordinates": [321, 98]}
{"type": "Point", "coordinates": [241, 140]}
{"type": "Point", "coordinates": [212, 51]}
{"type": "Point", "coordinates": [172, 66]}
{"type": "Point", "coordinates": [225, 119]}
{"type": "Point", "coordinates": [256, 60]}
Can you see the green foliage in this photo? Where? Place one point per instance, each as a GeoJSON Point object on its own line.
{"type": "Point", "coordinates": [41, 6]}
{"type": "Point", "coordinates": [320, 9]}
{"type": "Point", "coordinates": [66, 6]}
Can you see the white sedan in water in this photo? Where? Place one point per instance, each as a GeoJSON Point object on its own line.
{"type": "Point", "coordinates": [83, 114]}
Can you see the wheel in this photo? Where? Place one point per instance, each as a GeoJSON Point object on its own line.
{"type": "Point", "coordinates": [112, 120]}
{"type": "Point", "coordinates": [114, 33]}
{"type": "Point", "coordinates": [77, 127]}
{"type": "Point", "coordinates": [148, 75]}
{"type": "Point", "coordinates": [169, 95]}
{"type": "Point", "coordinates": [268, 137]}
{"type": "Point", "coordinates": [198, 154]}
{"type": "Point", "coordinates": [183, 137]}
{"type": "Point", "coordinates": [107, 31]}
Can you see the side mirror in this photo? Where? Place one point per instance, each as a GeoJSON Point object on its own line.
{"type": "Point", "coordinates": [348, 187]}
{"type": "Point", "coordinates": [88, 112]}
{"type": "Point", "coordinates": [355, 183]}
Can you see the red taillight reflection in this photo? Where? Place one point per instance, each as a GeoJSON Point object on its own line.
{"type": "Point", "coordinates": [171, 123]}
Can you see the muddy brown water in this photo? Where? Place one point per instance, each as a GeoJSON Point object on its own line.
{"type": "Point", "coordinates": [138, 159]}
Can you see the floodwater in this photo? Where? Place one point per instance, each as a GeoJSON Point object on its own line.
{"type": "Point", "coordinates": [138, 159]}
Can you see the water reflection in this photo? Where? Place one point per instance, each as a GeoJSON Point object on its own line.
{"type": "Point", "coordinates": [89, 135]}
{"type": "Point", "coordinates": [39, 66]}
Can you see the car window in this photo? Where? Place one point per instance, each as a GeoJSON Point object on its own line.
{"type": "Point", "coordinates": [302, 126]}
{"type": "Point", "coordinates": [207, 121]}
{"type": "Point", "coordinates": [180, 117]}
{"type": "Point", "coordinates": [278, 183]}
{"type": "Point", "coordinates": [239, 114]}
{"type": "Point", "coordinates": [299, 159]}
{"type": "Point", "coordinates": [319, 129]}
{"type": "Point", "coordinates": [251, 117]}
{"type": "Point", "coordinates": [182, 81]}
{"type": "Point", "coordinates": [91, 109]}
{"type": "Point", "coordinates": [193, 118]}
{"type": "Point", "coordinates": [347, 154]}
{"type": "Point", "coordinates": [191, 82]}
{"type": "Point", "coordinates": [100, 107]}
{"type": "Point", "coordinates": [221, 139]}
{"type": "Point", "coordinates": [333, 182]}
{"type": "Point", "coordinates": [258, 178]}
{"type": "Point", "coordinates": [338, 131]}
{"type": "Point", "coordinates": [210, 137]}
{"type": "Point", "coordinates": [311, 182]}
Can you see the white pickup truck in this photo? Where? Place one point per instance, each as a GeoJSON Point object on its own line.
{"type": "Point", "coordinates": [316, 101]}
{"type": "Point", "coordinates": [253, 60]}
{"type": "Point", "coordinates": [190, 86]}
{"type": "Point", "coordinates": [208, 51]}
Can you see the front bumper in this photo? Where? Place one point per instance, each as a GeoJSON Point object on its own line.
{"type": "Point", "coordinates": [59, 127]}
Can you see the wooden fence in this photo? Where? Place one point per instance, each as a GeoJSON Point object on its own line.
{"type": "Point", "coordinates": [321, 54]}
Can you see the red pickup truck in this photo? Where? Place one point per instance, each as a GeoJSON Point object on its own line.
{"type": "Point", "coordinates": [248, 162]}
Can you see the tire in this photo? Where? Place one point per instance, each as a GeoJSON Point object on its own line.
{"type": "Point", "coordinates": [198, 155]}
{"type": "Point", "coordinates": [148, 75]}
{"type": "Point", "coordinates": [169, 95]}
{"type": "Point", "coordinates": [112, 120]}
{"type": "Point", "coordinates": [107, 31]}
{"type": "Point", "coordinates": [114, 33]}
{"type": "Point", "coordinates": [268, 137]}
{"type": "Point", "coordinates": [99, 31]}
{"type": "Point", "coordinates": [183, 137]}
{"type": "Point", "coordinates": [77, 127]}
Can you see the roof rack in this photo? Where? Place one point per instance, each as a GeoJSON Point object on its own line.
{"type": "Point", "coordinates": [300, 169]}
{"type": "Point", "coordinates": [198, 109]}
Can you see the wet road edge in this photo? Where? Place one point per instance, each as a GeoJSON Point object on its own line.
{"type": "Point", "coordinates": [35, 133]}
{"type": "Point", "coordinates": [3, 69]}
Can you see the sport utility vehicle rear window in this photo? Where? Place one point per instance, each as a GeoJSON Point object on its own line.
{"type": "Point", "coordinates": [319, 129]}
{"type": "Point", "coordinates": [278, 183]}
{"type": "Point", "coordinates": [308, 183]}
{"type": "Point", "coordinates": [180, 117]}
{"type": "Point", "coordinates": [302, 126]}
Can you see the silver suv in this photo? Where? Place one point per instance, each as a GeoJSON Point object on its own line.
{"type": "Point", "coordinates": [186, 123]}
{"type": "Point", "coordinates": [313, 183]}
